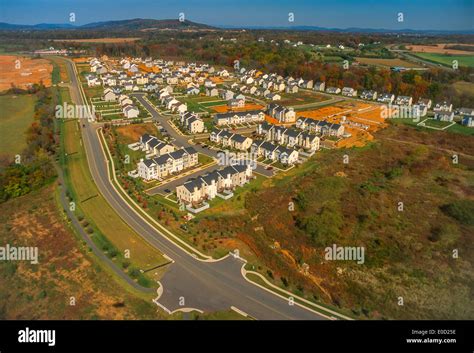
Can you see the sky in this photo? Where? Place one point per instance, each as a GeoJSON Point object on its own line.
{"type": "Point", "coordinates": [417, 14]}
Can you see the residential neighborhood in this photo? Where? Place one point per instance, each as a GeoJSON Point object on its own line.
{"type": "Point", "coordinates": [237, 161]}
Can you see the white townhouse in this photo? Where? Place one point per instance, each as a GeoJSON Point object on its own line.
{"type": "Point", "coordinates": [167, 164]}
{"type": "Point", "coordinates": [368, 95]}
{"type": "Point", "coordinates": [249, 116]}
{"type": "Point", "coordinates": [191, 122]}
{"type": "Point", "coordinates": [319, 86]}
{"type": "Point", "coordinates": [206, 187]}
{"type": "Point", "coordinates": [268, 150]}
{"type": "Point", "coordinates": [443, 107]}
{"type": "Point", "coordinates": [109, 95]}
{"type": "Point", "coordinates": [130, 111]}
{"type": "Point", "coordinates": [320, 126]}
{"type": "Point", "coordinates": [349, 92]}
{"type": "Point", "coordinates": [228, 139]}
{"type": "Point", "coordinates": [333, 90]}
{"type": "Point", "coordinates": [404, 100]}
{"type": "Point", "coordinates": [289, 137]}
{"type": "Point", "coordinates": [386, 98]}
{"type": "Point", "coordinates": [281, 113]}
{"type": "Point", "coordinates": [153, 145]}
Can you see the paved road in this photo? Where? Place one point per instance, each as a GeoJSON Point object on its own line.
{"type": "Point", "coordinates": [206, 286]}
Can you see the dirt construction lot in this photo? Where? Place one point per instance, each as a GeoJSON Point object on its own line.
{"type": "Point", "coordinates": [438, 48]}
{"type": "Point", "coordinates": [226, 109]}
{"type": "Point", "coordinates": [23, 71]}
{"type": "Point", "coordinates": [361, 120]}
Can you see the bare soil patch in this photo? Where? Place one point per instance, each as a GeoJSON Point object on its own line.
{"type": "Point", "coordinates": [23, 71]}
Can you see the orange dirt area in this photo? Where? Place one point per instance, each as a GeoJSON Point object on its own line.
{"type": "Point", "coordinates": [145, 68]}
{"type": "Point", "coordinates": [274, 121]}
{"type": "Point", "coordinates": [132, 133]}
{"type": "Point", "coordinates": [23, 71]}
{"type": "Point", "coordinates": [323, 113]}
{"type": "Point", "coordinates": [217, 80]}
{"type": "Point", "coordinates": [372, 117]}
{"type": "Point", "coordinates": [438, 48]}
{"type": "Point", "coordinates": [81, 60]}
{"type": "Point", "coordinates": [226, 109]}
{"type": "Point", "coordinates": [361, 120]}
{"type": "Point", "coordinates": [358, 138]}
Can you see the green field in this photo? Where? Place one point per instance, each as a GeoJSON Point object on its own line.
{"type": "Point", "coordinates": [194, 105]}
{"type": "Point", "coordinates": [213, 103]}
{"type": "Point", "coordinates": [447, 60]}
{"type": "Point", "coordinates": [437, 123]}
{"type": "Point", "coordinates": [301, 97]}
{"type": "Point", "coordinates": [464, 87]}
{"type": "Point", "coordinates": [17, 115]}
{"type": "Point", "coordinates": [456, 128]}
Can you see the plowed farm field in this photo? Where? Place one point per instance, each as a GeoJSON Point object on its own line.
{"type": "Point", "coordinates": [438, 49]}
{"type": "Point", "coordinates": [23, 71]}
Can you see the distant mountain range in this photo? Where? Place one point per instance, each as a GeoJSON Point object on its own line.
{"type": "Point", "coordinates": [133, 24]}
{"type": "Point", "coordinates": [151, 24]}
{"type": "Point", "coordinates": [351, 29]}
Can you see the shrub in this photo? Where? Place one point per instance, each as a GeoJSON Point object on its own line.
{"type": "Point", "coordinates": [461, 210]}
{"type": "Point", "coordinates": [134, 273]}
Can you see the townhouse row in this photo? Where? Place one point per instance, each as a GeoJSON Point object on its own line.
{"type": "Point", "coordinates": [229, 139]}
{"type": "Point", "coordinates": [273, 152]}
{"type": "Point", "coordinates": [288, 137]}
{"type": "Point", "coordinates": [191, 122]}
{"type": "Point", "coordinates": [167, 164]}
{"type": "Point", "coordinates": [154, 146]}
{"type": "Point", "coordinates": [318, 126]}
{"type": "Point", "coordinates": [249, 116]}
{"type": "Point", "coordinates": [195, 191]}
{"type": "Point", "coordinates": [129, 109]}
{"type": "Point", "coordinates": [259, 84]}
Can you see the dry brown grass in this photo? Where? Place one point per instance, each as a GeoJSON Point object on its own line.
{"type": "Point", "coordinates": [65, 269]}
{"type": "Point", "coordinates": [131, 133]}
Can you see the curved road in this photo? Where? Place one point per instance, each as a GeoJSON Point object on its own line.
{"type": "Point", "coordinates": [189, 282]}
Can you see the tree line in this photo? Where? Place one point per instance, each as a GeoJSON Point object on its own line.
{"type": "Point", "coordinates": [33, 168]}
{"type": "Point", "coordinates": [286, 60]}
